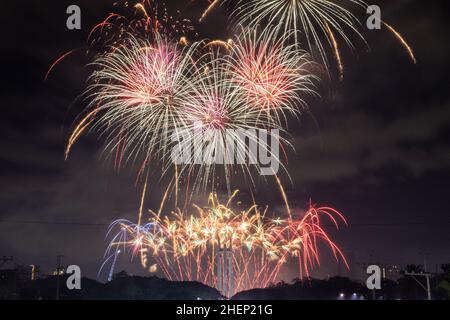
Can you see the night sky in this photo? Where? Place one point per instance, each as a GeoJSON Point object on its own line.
{"type": "Point", "coordinates": [376, 146]}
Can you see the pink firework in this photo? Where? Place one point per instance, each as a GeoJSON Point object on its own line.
{"type": "Point", "coordinates": [139, 90]}
{"type": "Point", "coordinates": [270, 75]}
{"type": "Point", "coordinates": [254, 248]}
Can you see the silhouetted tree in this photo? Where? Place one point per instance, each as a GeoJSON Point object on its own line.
{"type": "Point", "coordinates": [443, 282]}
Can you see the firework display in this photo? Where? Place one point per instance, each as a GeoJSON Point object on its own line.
{"type": "Point", "coordinates": [270, 75]}
{"type": "Point", "coordinates": [147, 94]}
{"type": "Point", "coordinates": [154, 80]}
{"type": "Point", "coordinates": [319, 23]}
{"type": "Point", "coordinates": [262, 77]}
{"type": "Point", "coordinates": [139, 92]}
{"type": "Point", "coordinates": [144, 96]}
{"type": "Point", "coordinates": [215, 115]}
{"type": "Point", "coordinates": [314, 19]}
{"type": "Point", "coordinates": [225, 248]}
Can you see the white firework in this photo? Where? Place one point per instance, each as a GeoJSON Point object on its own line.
{"type": "Point", "coordinates": [317, 20]}
{"type": "Point", "coordinates": [139, 90]}
{"type": "Point", "coordinates": [270, 75]}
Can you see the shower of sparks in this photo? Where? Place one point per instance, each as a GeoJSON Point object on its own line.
{"type": "Point", "coordinates": [226, 44]}
{"type": "Point", "coordinates": [270, 75]}
{"type": "Point", "coordinates": [143, 20]}
{"type": "Point", "coordinates": [146, 93]}
{"type": "Point", "coordinates": [185, 246]}
{"type": "Point", "coordinates": [215, 114]}
{"type": "Point", "coordinates": [139, 90]}
{"type": "Point", "coordinates": [307, 18]}
{"type": "Point", "coordinates": [141, 7]}
{"type": "Point", "coordinates": [153, 81]}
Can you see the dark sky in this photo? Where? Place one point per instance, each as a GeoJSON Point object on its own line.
{"type": "Point", "coordinates": [377, 150]}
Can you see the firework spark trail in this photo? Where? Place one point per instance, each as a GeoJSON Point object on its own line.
{"type": "Point", "coordinates": [177, 185]}
{"type": "Point", "coordinates": [208, 10]}
{"type": "Point", "coordinates": [337, 53]}
{"type": "Point", "coordinates": [402, 41]}
{"type": "Point", "coordinates": [145, 93]}
{"type": "Point", "coordinates": [142, 90]}
{"type": "Point", "coordinates": [308, 18]}
{"type": "Point", "coordinates": [216, 116]}
{"type": "Point", "coordinates": [56, 62]}
{"type": "Point", "coordinates": [78, 131]}
{"type": "Point", "coordinates": [141, 7]}
{"type": "Point", "coordinates": [101, 25]}
{"type": "Point", "coordinates": [185, 246]}
{"type": "Point", "coordinates": [115, 27]}
{"type": "Point", "coordinates": [184, 41]}
{"type": "Point", "coordinates": [284, 195]}
{"type": "Point", "coordinates": [144, 20]}
{"type": "Point", "coordinates": [141, 208]}
{"type": "Point", "coordinates": [270, 75]}
{"type": "Point", "coordinates": [139, 89]}
{"type": "Point", "coordinates": [226, 44]}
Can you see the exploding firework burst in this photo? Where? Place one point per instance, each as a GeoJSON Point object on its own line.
{"type": "Point", "coordinates": [255, 247]}
{"type": "Point", "coordinates": [144, 19]}
{"type": "Point", "coordinates": [321, 23]}
{"type": "Point", "coordinates": [146, 96]}
{"type": "Point", "coordinates": [270, 75]}
{"type": "Point", "coordinates": [217, 118]}
{"type": "Point", "coordinates": [316, 20]}
{"type": "Point", "coordinates": [151, 84]}
{"type": "Point", "coordinates": [141, 75]}
{"type": "Point", "coordinates": [137, 92]}
{"type": "Point", "coordinates": [254, 85]}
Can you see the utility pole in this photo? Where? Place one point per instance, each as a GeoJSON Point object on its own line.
{"type": "Point", "coordinates": [58, 271]}
{"type": "Point", "coordinates": [427, 276]}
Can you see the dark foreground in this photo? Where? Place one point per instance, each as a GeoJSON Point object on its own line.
{"type": "Point", "coordinates": [14, 285]}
